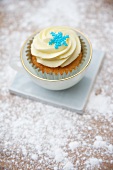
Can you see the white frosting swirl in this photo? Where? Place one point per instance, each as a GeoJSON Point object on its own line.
{"type": "Point", "coordinates": [47, 54]}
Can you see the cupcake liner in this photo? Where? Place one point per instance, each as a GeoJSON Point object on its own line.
{"type": "Point", "coordinates": [53, 76]}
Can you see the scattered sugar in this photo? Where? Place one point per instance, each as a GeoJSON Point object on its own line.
{"type": "Point", "coordinates": [98, 138]}
{"type": "Point", "coordinates": [68, 166]}
{"type": "Point", "coordinates": [110, 148]}
{"type": "Point", "coordinates": [99, 144]}
{"type": "Point", "coordinates": [101, 103]}
{"type": "Point", "coordinates": [89, 128]}
{"type": "Point", "coordinates": [34, 157]}
{"type": "Point", "coordinates": [92, 163]}
{"type": "Point", "coordinates": [74, 145]}
{"type": "Point", "coordinates": [111, 161]}
{"type": "Point", "coordinates": [24, 151]}
{"type": "Point", "coordinates": [59, 155]}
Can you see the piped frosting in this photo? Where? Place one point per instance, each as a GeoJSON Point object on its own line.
{"type": "Point", "coordinates": [64, 53]}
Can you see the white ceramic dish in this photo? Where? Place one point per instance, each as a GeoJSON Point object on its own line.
{"type": "Point", "coordinates": [60, 84]}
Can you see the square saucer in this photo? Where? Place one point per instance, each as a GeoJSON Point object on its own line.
{"type": "Point", "coordinates": [74, 98]}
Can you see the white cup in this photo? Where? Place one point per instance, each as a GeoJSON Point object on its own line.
{"type": "Point", "coordinates": [24, 67]}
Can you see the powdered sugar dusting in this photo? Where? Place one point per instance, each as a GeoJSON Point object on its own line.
{"type": "Point", "coordinates": [40, 137]}
{"type": "Point", "coordinates": [73, 145]}
{"type": "Point", "coordinates": [92, 163]}
{"type": "Point", "coordinates": [68, 166]}
{"type": "Point", "coordinates": [99, 102]}
{"type": "Point", "coordinates": [99, 144]}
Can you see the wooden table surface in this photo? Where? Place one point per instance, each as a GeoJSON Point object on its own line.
{"type": "Point", "coordinates": [36, 136]}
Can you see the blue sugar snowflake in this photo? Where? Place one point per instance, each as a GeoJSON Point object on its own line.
{"type": "Point", "coordinates": [58, 39]}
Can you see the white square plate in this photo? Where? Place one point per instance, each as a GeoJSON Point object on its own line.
{"type": "Point", "coordinates": [74, 98]}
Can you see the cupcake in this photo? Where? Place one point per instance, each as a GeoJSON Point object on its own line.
{"type": "Point", "coordinates": [56, 52]}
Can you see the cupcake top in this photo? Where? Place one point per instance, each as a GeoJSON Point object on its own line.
{"type": "Point", "coordinates": [56, 46]}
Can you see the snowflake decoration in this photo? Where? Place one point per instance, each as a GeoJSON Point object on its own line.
{"type": "Point", "coordinates": [58, 39]}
